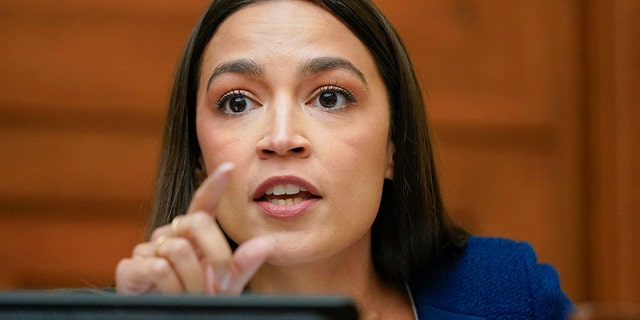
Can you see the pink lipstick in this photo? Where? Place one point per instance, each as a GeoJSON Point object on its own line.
{"type": "Point", "coordinates": [285, 197]}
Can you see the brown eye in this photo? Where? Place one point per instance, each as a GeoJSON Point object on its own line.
{"type": "Point", "coordinates": [328, 99]}
{"type": "Point", "coordinates": [235, 103]}
{"type": "Point", "coordinates": [333, 98]}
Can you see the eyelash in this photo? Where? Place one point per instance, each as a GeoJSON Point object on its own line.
{"type": "Point", "coordinates": [346, 93]}
{"type": "Point", "coordinates": [350, 98]}
{"type": "Point", "coordinates": [224, 99]}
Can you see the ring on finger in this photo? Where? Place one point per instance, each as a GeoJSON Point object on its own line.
{"type": "Point", "coordinates": [175, 223]}
{"type": "Point", "coordinates": [158, 244]}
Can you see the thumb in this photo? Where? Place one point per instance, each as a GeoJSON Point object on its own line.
{"type": "Point", "coordinates": [247, 259]}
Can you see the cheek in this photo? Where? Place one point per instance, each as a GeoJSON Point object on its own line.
{"type": "Point", "coordinates": [364, 147]}
{"type": "Point", "coordinates": [217, 149]}
{"type": "Point", "coordinates": [218, 143]}
{"type": "Point", "coordinates": [356, 159]}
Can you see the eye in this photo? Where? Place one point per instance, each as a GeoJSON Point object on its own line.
{"type": "Point", "coordinates": [332, 97]}
{"type": "Point", "coordinates": [235, 103]}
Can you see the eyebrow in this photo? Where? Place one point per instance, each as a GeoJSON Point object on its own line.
{"type": "Point", "coordinates": [240, 66]}
{"type": "Point", "coordinates": [320, 64]}
{"type": "Point", "coordinates": [315, 65]}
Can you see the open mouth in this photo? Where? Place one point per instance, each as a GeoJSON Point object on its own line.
{"type": "Point", "coordinates": [286, 195]}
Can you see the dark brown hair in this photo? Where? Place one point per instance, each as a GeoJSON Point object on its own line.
{"type": "Point", "coordinates": [412, 234]}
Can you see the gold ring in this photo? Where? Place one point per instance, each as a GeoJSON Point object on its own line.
{"type": "Point", "coordinates": [175, 223]}
{"type": "Point", "coordinates": [158, 243]}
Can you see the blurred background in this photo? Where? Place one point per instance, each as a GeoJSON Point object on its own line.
{"type": "Point", "coordinates": [532, 105]}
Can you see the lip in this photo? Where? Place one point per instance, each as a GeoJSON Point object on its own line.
{"type": "Point", "coordinates": [287, 211]}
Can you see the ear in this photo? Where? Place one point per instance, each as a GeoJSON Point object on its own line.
{"type": "Point", "coordinates": [391, 150]}
{"type": "Point", "coordinates": [200, 171]}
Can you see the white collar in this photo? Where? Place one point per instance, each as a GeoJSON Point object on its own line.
{"type": "Point", "coordinates": [413, 305]}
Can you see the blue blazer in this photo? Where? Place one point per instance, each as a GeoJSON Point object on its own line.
{"type": "Point", "coordinates": [492, 279]}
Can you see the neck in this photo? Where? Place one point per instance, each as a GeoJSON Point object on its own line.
{"type": "Point", "coordinates": [350, 274]}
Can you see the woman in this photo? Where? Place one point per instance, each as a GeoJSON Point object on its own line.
{"type": "Point", "coordinates": [302, 126]}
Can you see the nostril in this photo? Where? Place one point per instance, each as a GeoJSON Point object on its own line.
{"type": "Point", "coordinates": [299, 151]}
{"type": "Point", "coordinates": [267, 148]}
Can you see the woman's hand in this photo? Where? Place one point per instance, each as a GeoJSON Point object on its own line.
{"type": "Point", "coordinates": [192, 255]}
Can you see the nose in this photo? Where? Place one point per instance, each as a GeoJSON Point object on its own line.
{"type": "Point", "coordinates": [284, 133]}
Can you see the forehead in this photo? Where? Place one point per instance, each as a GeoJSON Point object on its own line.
{"type": "Point", "coordinates": [282, 30]}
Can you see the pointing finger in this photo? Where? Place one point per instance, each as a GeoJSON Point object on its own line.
{"type": "Point", "coordinates": [207, 196]}
{"type": "Point", "coordinates": [208, 239]}
{"type": "Point", "coordinates": [247, 259]}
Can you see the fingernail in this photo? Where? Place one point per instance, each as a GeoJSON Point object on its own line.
{"type": "Point", "coordinates": [225, 281]}
{"type": "Point", "coordinates": [210, 279]}
{"type": "Point", "coordinates": [225, 167]}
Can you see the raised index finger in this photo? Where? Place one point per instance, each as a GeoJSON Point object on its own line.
{"type": "Point", "coordinates": [208, 194]}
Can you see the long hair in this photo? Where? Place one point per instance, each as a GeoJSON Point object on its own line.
{"type": "Point", "coordinates": [412, 234]}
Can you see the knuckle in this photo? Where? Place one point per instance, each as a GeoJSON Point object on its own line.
{"type": "Point", "coordinates": [160, 269]}
{"type": "Point", "coordinates": [198, 193]}
{"type": "Point", "coordinates": [122, 267]}
{"type": "Point", "coordinates": [140, 249]}
{"type": "Point", "coordinates": [201, 219]}
{"type": "Point", "coordinates": [156, 234]}
{"type": "Point", "coordinates": [180, 248]}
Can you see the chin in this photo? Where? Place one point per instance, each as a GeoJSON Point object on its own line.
{"type": "Point", "coordinates": [292, 251]}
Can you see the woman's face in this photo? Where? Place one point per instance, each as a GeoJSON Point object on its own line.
{"type": "Point", "coordinates": [293, 98]}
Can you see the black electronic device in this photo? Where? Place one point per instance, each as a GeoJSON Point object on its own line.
{"type": "Point", "coordinates": [101, 305]}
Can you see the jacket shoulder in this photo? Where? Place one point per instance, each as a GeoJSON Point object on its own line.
{"type": "Point", "coordinates": [494, 278]}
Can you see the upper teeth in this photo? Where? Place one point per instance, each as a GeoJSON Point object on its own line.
{"type": "Point", "coordinates": [284, 189]}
